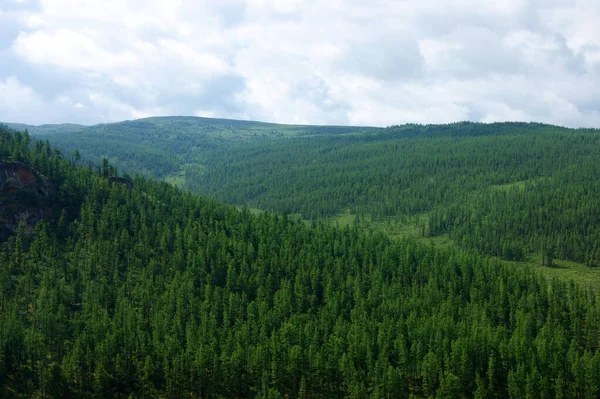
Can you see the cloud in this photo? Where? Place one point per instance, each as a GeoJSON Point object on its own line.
{"type": "Point", "coordinates": [19, 103]}
{"type": "Point", "coordinates": [385, 58]}
{"type": "Point", "coordinates": [337, 62]}
{"type": "Point", "coordinates": [72, 50]}
{"type": "Point", "coordinates": [16, 98]}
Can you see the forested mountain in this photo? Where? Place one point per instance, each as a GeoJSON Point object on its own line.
{"type": "Point", "coordinates": [511, 190]}
{"type": "Point", "coordinates": [153, 291]}
{"type": "Point", "coordinates": [161, 147]}
{"type": "Point", "coordinates": [398, 171]}
{"type": "Point", "coordinates": [506, 189]}
{"type": "Point", "coordinates": [51, 129]}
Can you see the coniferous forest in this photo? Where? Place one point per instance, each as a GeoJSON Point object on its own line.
{"type": "Point", "coordinates": [504, 189]}
{"type": "Point", "coordinates": [146, 290]}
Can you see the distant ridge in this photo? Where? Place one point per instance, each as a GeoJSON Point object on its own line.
{"type": "Point", "coordinates": [188, 120]}
{"type": "Point", "coordinates": [46, 128]}
{"type": "Point", "coordinates": [160, 146]}
{"type": "Point", "coordinates": [174, 120]}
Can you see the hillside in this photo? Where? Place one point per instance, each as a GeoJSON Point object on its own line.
{"type": "Point", "coordinates": [518, 191]}
{"type": "Point", "coordinates": [510, 190]}
{"type": "Point", "coordinates": [154, 292]}
{"type": "Point", "coordinates": [391, 172]}
{"type": "Point", "coordinates": [161, 146]}
{"type": "Point", "coordinates": [47, 129]}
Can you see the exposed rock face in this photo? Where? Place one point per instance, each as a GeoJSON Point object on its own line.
{"type": "Point", "coordinates": [25, 196]}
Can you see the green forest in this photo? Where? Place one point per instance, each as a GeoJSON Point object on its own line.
{"type": "Point", "coordinates": [152, 291]}
{"type": "Point", "coordinates": [508, 190]}
{"type": "Point", "coordinates": [517, 191]}
{"type": "Point", "coordinates": [162, 147]}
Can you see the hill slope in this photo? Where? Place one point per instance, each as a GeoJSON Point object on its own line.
{"type": "Point", "coordinates": [155, 292]}
{"type": "Point", "coordinates": [512, 190]}
{"type": "Point", "coordinates": [47, 129]}
{"type": "Point", "coordinates": [508, 190]}
{"type": "Point", "coordinates": [161, 146]}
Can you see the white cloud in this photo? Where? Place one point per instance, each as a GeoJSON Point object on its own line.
{"type": "Point", "coordinates": [72, 50]}
{"type": "Point", "coordinates": [16, 98]}
{"type": "Point", "coordinates": [342, 61]}
{"type": "Point", "coordinates": [21, 103]}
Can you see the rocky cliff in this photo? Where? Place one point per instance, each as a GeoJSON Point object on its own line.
{"type": "Point", "coordinates": [25, 196]}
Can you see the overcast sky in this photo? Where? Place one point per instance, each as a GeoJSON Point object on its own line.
{"type": "Point", "coordinates": [359, 62]}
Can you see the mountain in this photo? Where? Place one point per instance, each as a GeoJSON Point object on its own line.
{"type": "Point", "coordinates": [150, 291]}
{"type": "Point", "coordinates": [161, 146]}
{"type": "Point", "coordinates": [47, 129]}
{"type": "Point", "coordinates": [517, 191]}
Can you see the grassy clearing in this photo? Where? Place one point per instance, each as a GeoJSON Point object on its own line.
{"type": "Point", "coordinates": [410, 227]}
{"type": "Point", "coordinates": [176, 179]}
{"type": "Point", "coordinates": [394, 227]}
{"type": "Point", "coordinates": [254, 211]}
{"type": "Point", "coordinates": [567, 271]}
{"type": "Point", "coordinates": [344, 219]}
{"type": "Point", "coordinates": [439, 241]}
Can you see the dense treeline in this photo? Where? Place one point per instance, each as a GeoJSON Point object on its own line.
{"type": "Point", "coordinates": [154, 292]}
{"type": "Point", "coordinates": [556, 216]}
{"type": "Point", "coordinates": [160, 147]}
{"type": "Point", "coordinates": [387, 174]}
{"type": "Point", "coordinates": [448, 173]}
{"type": "Point", "coordinates": [445, 176]}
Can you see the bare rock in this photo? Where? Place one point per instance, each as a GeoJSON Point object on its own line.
{"type": "Point", "coordinates": [25, 196]}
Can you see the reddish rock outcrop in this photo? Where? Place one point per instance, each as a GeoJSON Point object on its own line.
{"type": "Point", "coordinates": [25, 196]}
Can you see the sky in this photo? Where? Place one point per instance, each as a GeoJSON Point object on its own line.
{"type": "Point", "coordinates": [343, 62]}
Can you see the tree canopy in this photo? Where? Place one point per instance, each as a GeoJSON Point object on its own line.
{"type": "Point", "coordinates": [157, 292]}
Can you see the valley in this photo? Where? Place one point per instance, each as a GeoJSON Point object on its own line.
{"type": "Point", "coordinates": [414, 261]}
{"type": "Point", "coordinates": [441, 184]}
